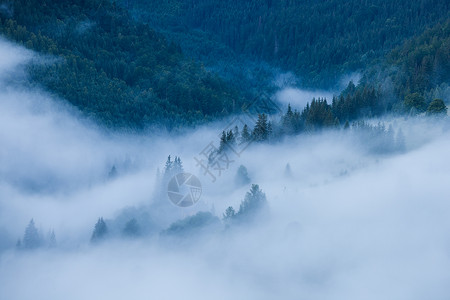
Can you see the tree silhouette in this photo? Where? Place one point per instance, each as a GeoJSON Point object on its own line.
{"type": "Point", "coordinates": [31, 238]}
{"type": "Point", "coordinates": [100, 231]}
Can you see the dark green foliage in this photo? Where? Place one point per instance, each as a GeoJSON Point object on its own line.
{"type": "Point", "coordinates": [100, 231]}
{"type": "Point", "coordinates": [414, 102]}
{"type": "Point", "coordinates": [317, 115]}
{"type": "Point", "coordinates": [423, 61]}
{"type": "Point", "coordinates": [200, 222]}
{"type": "Point", "coordinates": [261, 131]}
{"type": "Point", "coordinates": [242, 177]}
{"type": "Point", "coordinates": [228, 139]}
{"type": "Point", "coordinates": [291, 122]}
{"type": "Point", "coordinates": [245, 136]}
{"type": "Point", "coordinates": [357, 102]}
{"type": "Point", "coordinates": [319, 40]}
{"type": "Point", "coordinates": [437, 107]}
{"type": "Point", "coordinates": [346, 125]}
{"type": "Point", "coordinates": [114, 69]}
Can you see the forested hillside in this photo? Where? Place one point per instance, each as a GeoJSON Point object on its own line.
{"type": "Point", "coordinates": [119, 72]}
{"type": "Point", "coordinates": [319, 40]}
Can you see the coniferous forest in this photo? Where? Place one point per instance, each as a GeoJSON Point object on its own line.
{"type": "Point", "coordinates": [224, 149]}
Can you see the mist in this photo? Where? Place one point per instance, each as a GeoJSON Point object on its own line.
{"type": "Point", "coordinates": [289, 92]}
{"type": "Point", "coordinates": [345, 222]}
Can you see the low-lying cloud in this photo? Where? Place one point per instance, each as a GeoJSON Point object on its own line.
{"type": "Point", "coordinates": [345, 224]}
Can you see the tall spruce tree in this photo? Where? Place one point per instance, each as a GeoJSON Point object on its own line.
{"type": "Point", "coordinates": [100, 231]}
{"type": "Point", "coordinates": [261, 130]}
{"type": "Point", "coordinates": [31, 237]}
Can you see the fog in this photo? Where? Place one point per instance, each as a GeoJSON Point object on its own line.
{"type": "Point", "coordinates": [289, 93]}
{"type": "Point", "coordinates": [345, 223]}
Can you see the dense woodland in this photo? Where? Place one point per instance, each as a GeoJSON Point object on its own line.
{"type": "Point", "coordinates": [318, 40]}
{"type": "Point", "coordinates": [120, 72]}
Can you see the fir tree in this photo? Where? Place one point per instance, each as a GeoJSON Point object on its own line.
{"type": "Point", "coordinates": [254, 202]}
{"type": "Point", "coordinates": [242, 177]}
{"type": "Point", "coordinates": [260, 132]}
{"type": "Point", "coordinates": [31, 238]}
{"type": "Point", "coordinates": [229, 214]}
{"type": "Point", "coordinates": [177, 166]}
{"type": "Point", "coordinates": [346, 125]}
{"type": "Point", "coordinates": [223, 142]}
{"type": "Point", "coordinates": [288, 121]}
{"type": "Point", "coordinates": [112, 173]}
{"type": "Point", "coordinates": [230, 138]}
{"type": "Point", "coordinates": [169, 165]}
{"type": "Point", "coordinates": [246, 136]}
{"type": "Point", "coordinates": [100, 231]}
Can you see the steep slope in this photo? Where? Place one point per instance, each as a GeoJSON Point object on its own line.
{"type": "Point", "coordinates": [118, 71]}
{"type": "Point", "coordinates": [319, 40]}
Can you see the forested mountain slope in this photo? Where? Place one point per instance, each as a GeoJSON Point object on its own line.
{"type": "Point", "coordinates": [118, 71]}
{"type": "Point", "coordinates": [319, 40]}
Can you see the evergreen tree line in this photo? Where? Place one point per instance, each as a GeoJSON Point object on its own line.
{"type": "Point", "coordinates": [34, 239]}
{"type": "Point", "coordinates": [251, 208]}
{"type": "Point", "coordinates": [319, 115]}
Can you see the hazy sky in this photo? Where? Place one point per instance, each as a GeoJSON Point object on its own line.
{"type": "Point", "coordinates": [346, 225]}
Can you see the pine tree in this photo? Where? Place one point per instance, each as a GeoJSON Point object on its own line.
{"type": "Point", "coordinates": [31, 238]}
{"type": "Point", "coordinates": [229, 214]}
{"type": "Point", "coordinates": [177, 166]}
{"type": "Point", "coordinates": [168, 167]}
{"type": "Point", "coordinates": [223, 142]}
{"type": "Point", "coordinates": [288, 121]}
{"type": "Point", "coordinates": [260, 132]}
{"type": "Point", "coordinates": [253, 202]}
{"type": "Point", "coordinates": [245, 137]}
{"type": "Point", "coordinates": [242, 177]}
{"type": "Point", "coordinates": [100, 231]}
{"type": "Point", "coordinates": [230, 138]}
{"type": "Point", "coordinates": [112, 173]}
{"type": "Point", "coordinates": [346, 125]}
